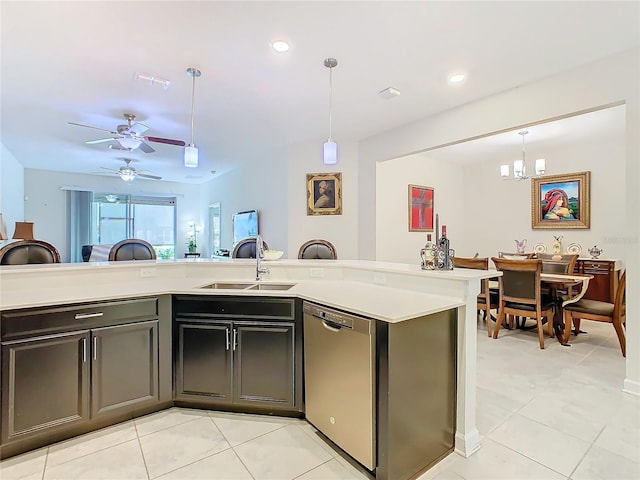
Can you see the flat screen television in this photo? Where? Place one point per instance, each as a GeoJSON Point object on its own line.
{"type": "Point", "coordinates": [245, 224]}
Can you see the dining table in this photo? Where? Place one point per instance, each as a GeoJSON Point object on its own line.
{"type": "Point", "coordinates": [556, 282]}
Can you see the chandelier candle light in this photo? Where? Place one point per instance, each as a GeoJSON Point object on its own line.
{"type": "Point", "coordinates": [519, 169]}
{"type": "Point", "coordinates": [330, 147]}
{"type": "Point", "coordinates": [191, 151]}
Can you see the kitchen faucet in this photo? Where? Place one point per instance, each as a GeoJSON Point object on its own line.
{"type": "Point", "coordinates": [259, 256]}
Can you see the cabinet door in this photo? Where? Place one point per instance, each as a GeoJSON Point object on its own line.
{"type": "Point", "coordinates": [602, 285]}
{"type": "Point", "coordinates": [203, 363]}
{"type": "Point", "coordinates": [124, 367]}
{"type": "Point", "coordinates": [264, 363]}
{"type": "Point", "coordinates": [45, 384]}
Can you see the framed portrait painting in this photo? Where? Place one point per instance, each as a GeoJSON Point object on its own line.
{"type": "Point", "coordinates": [324, 194]}
{"type": "Point", "coordinates": [420, 209]}
{"type": "Point", "coordinates": [561, 201]}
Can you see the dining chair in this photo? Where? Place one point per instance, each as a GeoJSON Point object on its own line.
{"type": "Point", "coordinates": [317, 249]}
{"type": "Point", "coordinates": [569, 258]}
{"type": "Point", "coordinates": [488, 299]}
{"type": "Point", "coordinates": [24, 252]}
{"type": "Point", "coordinates": [521, 295]}
{"type": "Point", "coordinates": [246, 248]}
{"type": "Point", "coordinates": [614, 313]}
{"type": "Point", "coordinates": [132, 249]}
{"type": "Point", "coordinates": [516, 256]}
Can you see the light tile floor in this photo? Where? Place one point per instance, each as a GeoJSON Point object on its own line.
{"type": "Point", "coordinates": [557, 413]}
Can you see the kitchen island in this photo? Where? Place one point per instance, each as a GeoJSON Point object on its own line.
{"type": "Point", "coordinates": [386, 292]}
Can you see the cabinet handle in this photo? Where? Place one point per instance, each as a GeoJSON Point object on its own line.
{"type": "Point", "coordinates": [84, 350]}
{"type": "Point", "coordinates": [95, 348]}
{"type": "Point", "coordinates": [235, 339]}
{"type": "Point", "coordinates": [226, 330]}
{"type": "Point", "coordinates": [80, 316]}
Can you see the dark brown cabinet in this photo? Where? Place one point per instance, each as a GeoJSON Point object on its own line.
{"type": "Point", "coordinates": [36, 398]}
{"type": "Point", "coordinates": [250, 358]}
{"type": "Point", "coordinates": [124, 367]}
{"type": "Point", "coordinates": [66, 370]}
{"type": "Point", "coordinates": [604, 283]}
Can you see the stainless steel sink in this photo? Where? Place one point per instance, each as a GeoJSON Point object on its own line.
{"type": "Point", "coordinates": [228, 286]}
{"type": "Point", "coordinates": [271, 286]}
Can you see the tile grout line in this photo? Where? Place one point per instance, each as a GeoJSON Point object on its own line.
{"type": "Point", "coordinates": [144, 460]}
{"type": "Point", "coordinates": [586, 452]}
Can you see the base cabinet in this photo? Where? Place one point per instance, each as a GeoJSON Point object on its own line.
{"type": "Point", "coordinates": [36, 398]}
{"type": "Point", "coordinates": [247, 359]}
{"type": "Point", "coordinates": [603, 285]}
{"type": "Point", "coordinates": [66, 369]}
{"type": "Point", "coordinates": [124, 367]}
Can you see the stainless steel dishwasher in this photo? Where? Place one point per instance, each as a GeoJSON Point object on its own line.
{"type": "Point", "coordinates": [339, 355]}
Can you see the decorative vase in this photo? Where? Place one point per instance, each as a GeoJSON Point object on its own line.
{"type": "Point", "coordinates": [520, 245]}
{"type": "Point", "coordinates": [557, 244]}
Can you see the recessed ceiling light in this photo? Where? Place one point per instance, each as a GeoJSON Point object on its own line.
{"type": "Point", "coordinates": [389, 92]}
{"type": "Point", "coordinates": [280, 46]}
{"type": "Point", "coordinates": [456, 78]}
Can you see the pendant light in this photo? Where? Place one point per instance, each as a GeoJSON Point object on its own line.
{"type": "Point", "coordinates": [191, 151]}
{"type": "Point", "coordinates": [330, 147]}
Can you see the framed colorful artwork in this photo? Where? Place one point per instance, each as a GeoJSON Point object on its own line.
{"type": "Point", "coordinates": [324, 194]}
{"type": "Point", "coordinates": [420, 209]}
{"type": "Point", "coordinates": [561, 201]}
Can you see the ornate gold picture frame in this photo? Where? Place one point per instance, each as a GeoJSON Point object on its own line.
{"type": "Point", "coordinates": [561, 201]}
{"type": "Point", "coordinates": [324, 194]}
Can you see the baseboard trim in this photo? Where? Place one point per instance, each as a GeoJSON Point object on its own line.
{"type": "Point", "coordinates": [631, 386]}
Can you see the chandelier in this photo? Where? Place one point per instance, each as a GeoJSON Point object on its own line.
{"type": "Point", "coordinates": [519, 167]}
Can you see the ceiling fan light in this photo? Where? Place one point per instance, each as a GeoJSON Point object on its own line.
{"type": "Point", "coordinates": [330, 153]}
{"type": "Point", "coordinates": [127, 176]}
{"type": "Point", "coordinates": [130, 143]}
{"type": "Point", "coordinates": [191, 156]}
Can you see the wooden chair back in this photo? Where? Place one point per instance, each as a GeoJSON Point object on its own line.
{"type": "Point", "coordinates": [598, 311]}
{"type": "Point", "coordinates": [24, 252]}
{"type": "Point", "coordinates": [521, 295]}
{"type": "Point", "coordinates": [132, 249]}
{"type": "Point", "coordinates": [317, 249]}
{"type": "Point", "coordinates": [516, 256]}
{"type": "Point", "coordinates": [570, 258]}
{"type": "Point", "coordinates": [246, 248]}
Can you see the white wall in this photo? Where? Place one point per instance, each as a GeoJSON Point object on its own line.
{"type": "Point", "coordinates": [497, 212]}
{"type": "Point", "coordinates": [613, 79]}
{"type": "Point", "coordinates": [394, 241]}
{"type": "Point", "coordinates": [11, 191]}
{"type": "Point", "coordinates": [340, 230]}
{"type": "Point", "coordinates": [261, 186]}
{"type": "Point", "coordinates": [46, 205]}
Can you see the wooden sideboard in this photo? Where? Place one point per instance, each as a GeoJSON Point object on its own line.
{"type": "Point", "coordinates": [604, 283]}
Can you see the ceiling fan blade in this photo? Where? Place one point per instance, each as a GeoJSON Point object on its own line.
{"type": "Point", "coordinates": [145, 147]}
{"type": "Point", "coordinates": [138, 128]}
{"type": "Point", "coordinates": [90, 126]}
{"type": "Point", "coordinates": [143, 175]}
{"type": "Point", "coordinates": [101, 140]}
{"type": "Point", "coordinates": [118, 147]}
{"type": "Point", "coordinates": [110, 170]}
{"type": "Point", "coordinates": [168, 141]}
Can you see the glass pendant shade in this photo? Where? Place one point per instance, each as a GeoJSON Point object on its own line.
{"type": "Point", "coordinates": [540, 166]}
{"type": "Point", "coordinates": [504, 171]}
{"type": "Point", "coordinates": [330, 153]}
{"type": "Point", "coordinates": [191, 156]}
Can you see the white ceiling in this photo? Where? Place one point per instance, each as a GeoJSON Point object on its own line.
{"type": "Point", "coordinates": [67, 61]}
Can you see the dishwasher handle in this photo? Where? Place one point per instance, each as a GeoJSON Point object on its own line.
{"type": "Point", "coordinates": [329, 325]}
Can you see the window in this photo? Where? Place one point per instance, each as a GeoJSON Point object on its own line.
{"type": "Point", "coordinates": [106, 218]}
{"type": "Point", "coordinates": [214, 227]}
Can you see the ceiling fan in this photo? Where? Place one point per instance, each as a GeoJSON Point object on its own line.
{"type": "Point", "coordinates": [128, 174]}
{"type": "Point", "coordinates": [129, 136]}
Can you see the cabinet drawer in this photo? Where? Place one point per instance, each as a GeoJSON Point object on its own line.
{"type": "Point", "coordinates": [234, 307]}
{"type": "Point", "coordinates": [38, 321]}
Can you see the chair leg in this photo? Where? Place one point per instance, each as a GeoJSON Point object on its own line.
{"type": "Point", "coordinates": [541, 332]}
{"type": "Point", "coordinates": [621, 337]}
{"type": "Point", "coordinates": [567, 327]}
{"type": "Point", "coordinates": [550, 325]}
{"type": "Point", "coordinates": [496, 329]}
